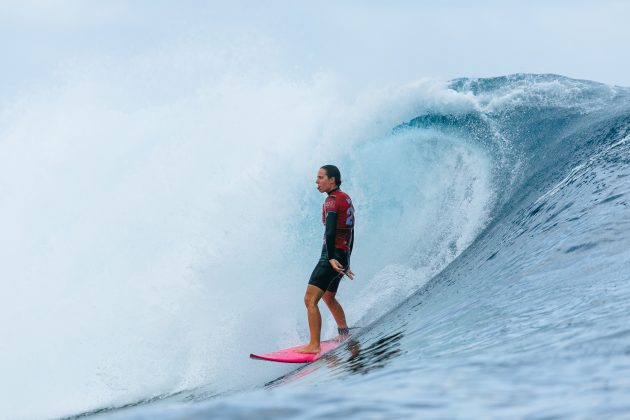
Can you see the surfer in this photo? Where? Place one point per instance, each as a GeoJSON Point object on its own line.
{"type": "Point", "coordinates": [334, 263]}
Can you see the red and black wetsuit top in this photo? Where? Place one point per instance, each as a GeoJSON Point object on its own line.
{"type": "Point", "coordinates": [338, 217]}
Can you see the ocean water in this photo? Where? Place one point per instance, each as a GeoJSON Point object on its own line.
{"type": "Point", "coordinates": [492, 251]}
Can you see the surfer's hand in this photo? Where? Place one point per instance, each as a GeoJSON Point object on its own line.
{"type": "Point", "coordinates": [336, 265]}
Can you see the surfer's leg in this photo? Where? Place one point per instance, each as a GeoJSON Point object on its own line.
{"type": "Point", "coordinates": [338, 313]}
{"type": "Point", "coordinates": [335, 309]}
{"type": "Point", "coordinates": [311, 298]}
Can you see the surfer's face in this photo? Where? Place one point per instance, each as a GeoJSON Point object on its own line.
{"type": "Point", "coordinates": [324, 183]}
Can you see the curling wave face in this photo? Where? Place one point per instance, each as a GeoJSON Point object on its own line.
{"type": "Point", "coordinates": [531, 318]}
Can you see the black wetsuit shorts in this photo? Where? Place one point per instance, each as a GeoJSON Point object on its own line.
{"type": "Point", "coordinates": [324, 276]}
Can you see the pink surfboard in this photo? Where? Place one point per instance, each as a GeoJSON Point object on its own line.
{"type": "Point", "coordinates": [291, 356]}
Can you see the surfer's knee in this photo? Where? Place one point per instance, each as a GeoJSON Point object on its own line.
{"type": "Point", "coordinates": [310, 300]}
{"type": "Point", "coordinates": [312, 296]}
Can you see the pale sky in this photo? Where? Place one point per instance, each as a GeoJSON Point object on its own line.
{"type": "Point", "coordinates": [367, 43]}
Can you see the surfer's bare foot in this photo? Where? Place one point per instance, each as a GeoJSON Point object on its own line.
{"type": "Point", "coordinates": [309, 348]}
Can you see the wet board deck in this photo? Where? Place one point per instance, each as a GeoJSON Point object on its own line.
{"type": "Point", "coordinates": [291, 356]}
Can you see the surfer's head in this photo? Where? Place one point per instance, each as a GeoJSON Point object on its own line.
{"type": "Point", "coordinates": [328, 178]}
{"type": "Point", "coordinates": [333, 172]}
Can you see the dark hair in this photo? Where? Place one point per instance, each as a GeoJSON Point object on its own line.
{"type": "Point", "coordinates": [333, 172]}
